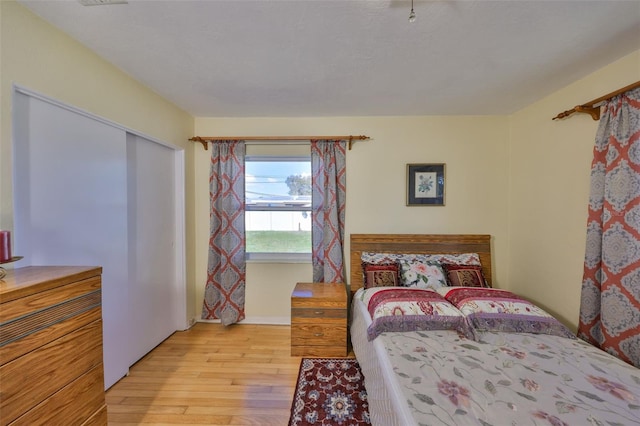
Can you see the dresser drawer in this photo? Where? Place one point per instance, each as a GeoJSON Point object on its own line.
{"type": "Point", "coordinates": [64, 299]}
{"type": "Point", "coordinates": [34, 321]}
{"type": "Point", "coordinates": [32, 378]}
{"type": "Point", "coordinates": [71, 405]}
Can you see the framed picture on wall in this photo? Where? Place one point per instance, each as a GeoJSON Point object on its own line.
{"type": "Point", "coordinates": [425, 184]}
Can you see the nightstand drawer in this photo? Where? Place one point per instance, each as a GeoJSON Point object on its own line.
{"type": "Point", "coordinates": [319, 312]}
{"type": "Point", "coordinates": [313, 334]}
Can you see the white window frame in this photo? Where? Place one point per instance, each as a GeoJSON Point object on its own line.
{"type": "Point", "coordinates": [277, 257]}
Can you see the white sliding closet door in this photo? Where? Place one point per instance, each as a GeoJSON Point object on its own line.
{"type": "Point", "coordinates": [70, 183]}
{"type": "Point", "coordinates": [89, 192]}
{"type": "Point", "coordinates": [154, 292]}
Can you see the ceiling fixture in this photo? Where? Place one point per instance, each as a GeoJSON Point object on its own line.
{"type": "Point", "coordinates": [412, 15]}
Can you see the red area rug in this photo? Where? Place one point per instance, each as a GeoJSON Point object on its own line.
{"type": "Point", "coordinates": [329, 391]}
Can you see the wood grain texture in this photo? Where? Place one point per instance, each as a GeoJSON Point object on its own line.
{"type": "Point", "coordinates": [22, 282]}
{"type": "Point", "coordinates": [318, 312]}
{"type": "Point", "coordinates": [32, 378]}
{"type": "Point", "coordinates": [45, 299]}
{"type": "Point", "coordinates": [319, 320]}
{"type": "Point", "coordinates": [326, 333]}
{"type": "Point", "coordinates": [99, 418]}
{"type": "Point", "coordinates": [39, 318]}
{"type": "Point", "coordinates": [71, 405]}
{"type": "Point", "coordinates": [210, 374]}
{"type": "Point", "coordinates": [51, 368]}
{"type": "Point", "coordinates": [330, 295]}
{"type": "Point", "coordinates": [417, 244]}
{"type": "Point", "coordinates": [28, 343]}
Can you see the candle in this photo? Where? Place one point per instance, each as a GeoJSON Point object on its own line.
{"type": "Point", "coordinates": [5, 246]}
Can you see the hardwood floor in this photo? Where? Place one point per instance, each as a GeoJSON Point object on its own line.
{"type": "Point", "coordinates": [210, 375]}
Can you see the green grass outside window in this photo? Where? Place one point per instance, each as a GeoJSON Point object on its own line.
{"type": "Point", "coordinates": [278, 241]}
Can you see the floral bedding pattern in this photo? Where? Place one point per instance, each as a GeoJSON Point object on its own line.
{"type": "Point", "coordinates": [512, 379]}
{"type": "Point", "coordinates": [492, 309]}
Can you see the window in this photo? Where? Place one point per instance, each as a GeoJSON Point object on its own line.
{"type": "Point", "coordinates": [278, 208]}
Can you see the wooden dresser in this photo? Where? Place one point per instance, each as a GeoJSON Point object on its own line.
{"type": "Point", "coordinates": [319, 320]}
{"type": "Point", "coordinates": [51, 347]}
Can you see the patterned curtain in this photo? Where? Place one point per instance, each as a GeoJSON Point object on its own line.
{"type": "Point", "coordinates": [329, 184]}
{"type": "Point", "coordinates": [610, 302]}
{"type": "Point", "coordinates": [224, 291]}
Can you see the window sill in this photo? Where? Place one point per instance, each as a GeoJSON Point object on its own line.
{"type": "Point", "coordinates": [278, 257]}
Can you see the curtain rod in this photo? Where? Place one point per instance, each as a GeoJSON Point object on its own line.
{"type": "Point", "coordinates": [593, 108]}
{"type": "Point", "coordinates": [205, 139]}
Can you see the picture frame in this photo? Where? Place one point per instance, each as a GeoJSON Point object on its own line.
{"type": "Point", "coordinates": [425, 184]}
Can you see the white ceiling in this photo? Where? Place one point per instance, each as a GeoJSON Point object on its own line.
{"type": "Point", "coordinates": [269, 58]}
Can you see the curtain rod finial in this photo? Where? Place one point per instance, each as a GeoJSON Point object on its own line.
{"type": "Point", "coordinates": [565, 114]}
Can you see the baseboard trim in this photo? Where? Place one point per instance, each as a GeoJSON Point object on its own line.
{"type": "Point", "coordinates": [257, 320]}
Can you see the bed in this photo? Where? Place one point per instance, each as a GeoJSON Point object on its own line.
{"type": "Point", "coordinates": [419, 369]}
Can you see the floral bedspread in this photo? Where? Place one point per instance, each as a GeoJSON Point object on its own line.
{"type": "Point", "coordinates": [512, 379]}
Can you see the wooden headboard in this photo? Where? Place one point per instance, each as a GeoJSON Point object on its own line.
{"type": "Point", "coordinates": [418, 244]}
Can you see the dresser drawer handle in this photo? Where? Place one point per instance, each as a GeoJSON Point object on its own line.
{"type": "Point", "coordinates": [318, 334]}
{"type": "Point", "coordinates": [319, 312]}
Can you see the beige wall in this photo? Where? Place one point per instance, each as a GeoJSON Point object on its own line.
{"type": "Point", "coordinates": [523, 179]}
{"type": "Point", "coordinates": [473, 148]}
{"type": "Point", "coordinates": [549, 189]}
{"type": "Point", "coordinates": [37, 56]}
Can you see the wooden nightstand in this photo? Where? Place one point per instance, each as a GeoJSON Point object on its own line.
{"type": "Point", "coordinates": [319, 320]}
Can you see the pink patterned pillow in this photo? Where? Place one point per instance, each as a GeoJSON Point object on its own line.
{"type": "Point", "coordinates": [491, 309]}
{"type": "Point", "coordinates": [411, 309]}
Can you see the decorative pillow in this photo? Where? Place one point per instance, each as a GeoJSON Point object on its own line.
{"type": "Point", "coordinates": [458, 259]}
{"type": "Point", "coordinates": [380, 275]}
{"type": "Point", "coordinates": [419, 274]}
{"type": "Point", "coordinates": [490, 309]}
{"type": "Point", "coordinates": [411, 309]}
{"type": "Point", "coordinates": [464, 275]}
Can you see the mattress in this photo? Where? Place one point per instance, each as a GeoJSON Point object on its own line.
{"type": "Point", "coordinates": [437, 377]}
